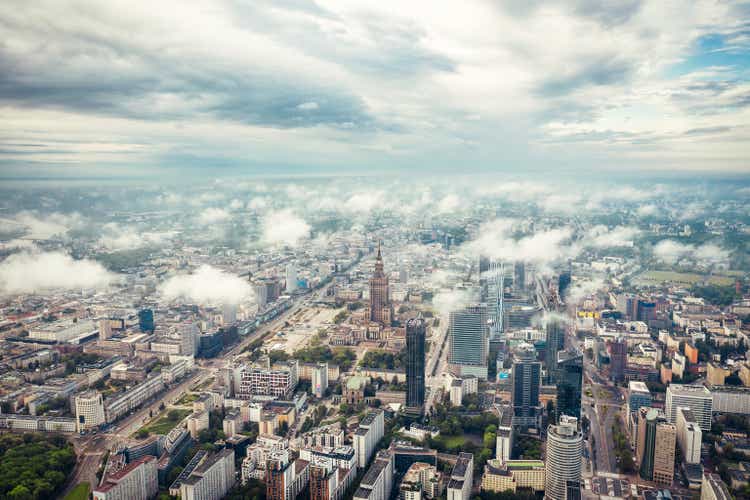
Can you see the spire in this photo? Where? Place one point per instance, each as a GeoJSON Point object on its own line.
{"type": "Point", "coordinates": [379, 257]}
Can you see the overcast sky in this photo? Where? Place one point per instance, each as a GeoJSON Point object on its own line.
{"type": "Point", "coordinates": [118, 88]}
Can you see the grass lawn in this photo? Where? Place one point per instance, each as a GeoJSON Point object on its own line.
{"type": "Point", "coordinates": [187, 399]}
{"type": "Point", "coordinates": [453, 441]}
{"type": "Point", "coordinates": [163, 424]}
{"type": "Point", "coordinates": [80, 492]}
{"type": "Point", "coordinates": [681, 278]}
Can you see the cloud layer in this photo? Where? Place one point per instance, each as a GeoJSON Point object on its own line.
{"type": "Point", "coordinates": [207, 285]}
{"type": "Point", "coordinates": [284, 227]}
{"type": "Point", "coordinates": [36, 272]}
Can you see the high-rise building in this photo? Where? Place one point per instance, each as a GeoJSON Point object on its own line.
{"type": "Point", "coordinates": [468, 340]}
{"type": "Point", "coordinates": [555, 343]}
{"type": "Point", "coordinates": [525, 383]}
{"type": "Point", "coordinates": [713, 488]}
{"type": "Point", "coordinates": [563, 463]}
{"type": "Point", "coordinates": [291, 278]}
{"type": "Point", "coordinates": [211, 479]}
{"type": "Point", "coordinates": [689, 436]}
{"type": "Point", "coordinates": [380, 306]}
{"type": "Point", "coordinates": [415, 361]}
{"type": "Point", "coordinates": [189, 340]}
{"type": "Point", "coordinates": [658, 439]}
{"type": "Point", "coordinates": [89, 407]}
{"type": "Point", "coordinates": [696, 397]}
{"type": "Point", "coordinates": [569, 382]}
{"type": "Point", "coordinates": [563, 283]}
{"type": "Point", "coordinates": [368, 435]}
{"type": "Point", "coordinates": [460, 481]}
{"type": "Point", "coordinates": [137, 480]}
{"type": "Point", "coordinates": [377, 482]}
{"type": "Point", "coordinates": [618, 359]}
{"type": "Point", "coordinates": [519, 276]}
{"type": "Point", "coordinates": [319, 378]}
{"type": "Point", "coordinates": [638, 396]}
{"type": "Point", "coordinates": [285, 479]}
{"type": "Point", "coordinates": [146, 320]}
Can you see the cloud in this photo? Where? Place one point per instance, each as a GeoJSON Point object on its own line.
{"type": "Point", "coordinates": [619, 236]}
{"type": "Point", "coordinates": [364, 201]}
{"type": "Point", "coordinates": [449, 203]}
{"type": "Point", "coordinates": [580, 289]}
{"type": "Point", "coordinates": [207, 285]}
{"type": "Point", "coordinates": [446, 302]}
{"type": "Point", "coordinates": [119, 237]}
{"type": "Point", "coordinates": [308, 106]}
{"type": "Point", "coordinates": [284, 227]}
{"type": "Point", "coordinates": [496, 241]}
{"type": "Point", "coordinates": [258, 203]}
{"type": "Point", "coordinates": [236, 204]}
{"type": "Point", "coordinates": [42, 227]}
{"type": "Point", "coordinates": [213, 215]}
{"type": "Point", "coordinates": [37, 272]}
{"type": "Point", "coordinates": [647, 210]}
{"type": "Point", "coordinates": [672, 252]}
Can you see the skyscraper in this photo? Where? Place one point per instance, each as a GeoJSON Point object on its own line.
{"type": "Point", "coordinates": [519, 276]}
{"type": "Point", "coordinates": [146, 320]}
{"type": "Point", "coordinates": [657, 438]}
{"type": "Point", "coordinates": [569, 381]}
{"type": "Point", "coordinates": [563, 463]}
{"type": "Point", "coordinates": [618, 355]}
{"type": "Point", "coordinates": [291, 278]}
{"type": "Point", "coordinates": [415, 361]}
{"type": "Point", "coordinates": [563, 283]}
{"type": "Point", "coordinates": [380, 307]}
{"type": "Point", "coordinates": [555, 342]}
{"type": "Point", "coordinates": [468, 340]}
{"type": "Point", "coordinates": [525, 382]}
{"type": "Point", "coordinates": [696, 397]}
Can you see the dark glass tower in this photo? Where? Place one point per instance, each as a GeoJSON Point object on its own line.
{"type": "Point", "coordinates": [146, 320]}
{"type": "Point", "coordinates": [563, 283]}
{"type": "Point", "coordinates": [415, 360]}
{"type": "Point", "coordinates": [526, 381]}
{"type": "Point", "coordinates": [569, 380]}
{"type": "Point", "coordinates": [555, 343]}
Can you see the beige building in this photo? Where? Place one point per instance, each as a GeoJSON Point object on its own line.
{"type": "Point", "coordinates": [513, 474]}
{"type": "Point", "coordinates": [717, 374]}
{"type": "Point", "coordinates": [89, 410]}
{"type": "Point", "coordinates": [197, 422]}
{"type": "Point", "coordinates": [666, 440]}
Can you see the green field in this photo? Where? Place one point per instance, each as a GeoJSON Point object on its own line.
{"type": "Point", "coordinates": [657, 277]}
{"type": "Point", "coordinates": [187, 399]}
{"type": "Point", "coordinates": [164, 424]}
{"type": "Point", "coordinates": [80, 492]}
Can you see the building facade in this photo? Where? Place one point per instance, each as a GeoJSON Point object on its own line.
{"type": "Point", "coordinates": [469, 340]}
{"type": "Point", "coordinates": [415, 364]}
{"type": "Point", "coordinates": [563, 462]}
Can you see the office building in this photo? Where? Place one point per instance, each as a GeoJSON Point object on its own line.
{"type": "Point", "coordinates": [377, 482]}
{"type": "Point", "coordinates": [713, 488]}
{"type": "Point", "coordinates": [504, 440]}
{"type": "Point", "coordinates": [563, 461]}
{"type": "Point", "coordinates": [658, 438]}
{"type": "Point", "coordinates": [189, 338]}
{"type": "Point", "coordinates": [285, 479]}
{"type": "Point", "coordinates": [415, 361]}
{"type": "Point", "coordinates": [146, 320]}
{"type": "Point", "coordinates": [638, 396]}
{"type": "Point", "coordinates": [262, 381]}
{"type": "Point", "coordinates": [137, 480]}
{"type": "Point", "coordinates": [569, 380]}
{"type": "Point", "coordinates": [618, 359]}
{"type": "Point", "coordinates": [696, 397]}
{"type": "Point", "coordinates": [319, 379]}
{"type": "Point", "coordinates": [291, 278]}
{"type": "Point", "coordinates": [368, 435]}
{"type": "Point", "coordinates": [689, 436]}
{"type": "Point", "coordinates": [380, 307]}
{"type": "Point", "coordinates": [120, 404]}
{"type": "Point", "coordinates": [563, 283]}
{"type": "Point", "coordinates": [555, 342]}
{"type": "Point", "coordinates": [460, 481]}
{"type": "Point", "coordinates": [730, 399]}
{"type": "Point", "coordinates": [525, 383]}
{"type": "Point", "coordinates": [468, 341]}
{"type": "Point", "coordinates": [211, 479]}
{"type": "Point", "coordinates": [501, 476]}
{"type": "Point", "coordinates": [89, 407]}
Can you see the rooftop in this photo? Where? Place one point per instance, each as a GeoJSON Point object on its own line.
{"type": "Point", "coordinates": [688, 390]}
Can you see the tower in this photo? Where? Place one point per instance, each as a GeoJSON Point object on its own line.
{"type": "Point", "coordinates": [569, 381]}
{"type": "Point", "coordinates": [555, 342]}
{"type": "Point", "coordinates": [563, 464]}
{"type": "Point", "coordinates": [380, 308]}
{"type": "Point", "coordinates": [415, 361]}
{"type": "Point", "coordinates": [525, 382]}
{"type": "Point", "coordinates": [468, 340]}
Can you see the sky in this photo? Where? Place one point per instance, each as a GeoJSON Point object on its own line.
{"type": "Point", "coordinates": [116, 88]}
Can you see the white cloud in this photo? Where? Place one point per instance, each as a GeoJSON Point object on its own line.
{"type": "Point", "coordinates": [42, 227]}
{"type": "Point", "coordinates": [213, 215]}
{"type": "Point", "coordinates": [236, 204]}
{"type": "Point", "coordinates": [619, 236]}
{"type": "Point", "coordinates": [364, 201]}
{"type": "Point", "coordinates": [308, 106]}
{"type": "Point", "coordinates": [207, 285]}
{"type": "Point", "coordinates": [37, 272]}
{"type": "Point", "coordinates": [495, 240]}
{"type": "Point", "coordinates": [449, 203]}
{"type": "Point", "coordinates": [647, 210]}
{"type": "Point", "coordinates": [258, 203]}
{"type": "Point", "coordinates": [284, 227]}
{"type": "Point", "coordinates": [119, 237]}
{"type": "Point", "coordinates": [446, 302]}
{"type": "Point", "coordinates": [580, 289]}
{"type": "Point", "coordinates": [671, 252]}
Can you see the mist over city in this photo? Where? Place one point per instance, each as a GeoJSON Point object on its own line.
{"type": "Point", "coordinates": [325, 250]}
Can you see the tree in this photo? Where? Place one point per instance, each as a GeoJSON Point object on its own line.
{"type": "Point", "coordinates": [20, 492]}
{"type": "Point", "coordinates": [142, 434]}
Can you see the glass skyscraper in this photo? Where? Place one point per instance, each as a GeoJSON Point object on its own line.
{"type": "Point", "coordinates": [468, 340]}
{"type": "Point", "coordinates": [415, 361]}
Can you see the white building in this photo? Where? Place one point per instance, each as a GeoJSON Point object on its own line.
{"type": "Point", "coordinates": [377, 482]}
{"type": "Point", "coordinates": [258, 381]}
{"type": "Point", "coordinates": [460, 482]}
{"type": "Point", "coordinates": [367, 436]}
{"type": "Point", "coordinates": [137, 480]}
{"type": "Point", "coordinates": [211, 479]}
{"type": "Point", "coordinates": [731, 399]}
{"type": "Point", "coordinates": [563, 461]}
{"type": "Point", "coordinates": [120, 404]}
{"type": "Point", "coordinates": [189, 338]}
{"type": "Point", "coordinates": [695, 397]}
{"type": "Point", "coordinates": [89, 410]}
{"type": "Point", "coordinates": [291, 278]}
{"type": "Point", "coordinates": [688, 436]}
{"type": "Point", "coordinates": [196, 422]}
{"type": "Point", "coordinates": [320, 379]}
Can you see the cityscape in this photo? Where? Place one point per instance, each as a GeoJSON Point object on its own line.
{"type": "Point", "coordinates": [324, 250]}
